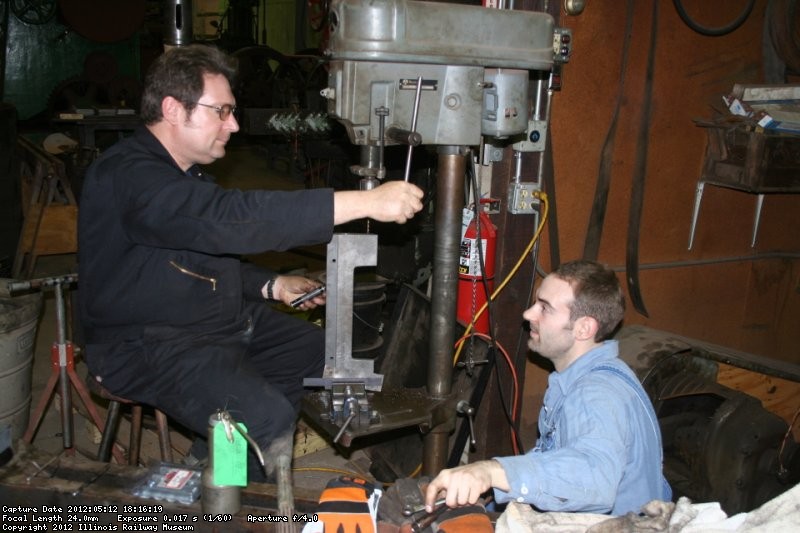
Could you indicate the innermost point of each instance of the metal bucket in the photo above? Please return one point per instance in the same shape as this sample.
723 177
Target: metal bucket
19 316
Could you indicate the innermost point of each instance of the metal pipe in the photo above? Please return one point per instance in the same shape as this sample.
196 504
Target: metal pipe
371 168
382 113
444 286
537 107
370 160
61 322
178 23
543 153
759 205
63 376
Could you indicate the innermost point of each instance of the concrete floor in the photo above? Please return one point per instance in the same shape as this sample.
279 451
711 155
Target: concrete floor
316 461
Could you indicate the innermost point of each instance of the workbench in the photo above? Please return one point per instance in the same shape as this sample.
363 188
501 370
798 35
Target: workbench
88 126
749 160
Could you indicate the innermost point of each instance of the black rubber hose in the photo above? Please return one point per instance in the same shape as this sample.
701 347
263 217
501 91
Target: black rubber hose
714 32
780 24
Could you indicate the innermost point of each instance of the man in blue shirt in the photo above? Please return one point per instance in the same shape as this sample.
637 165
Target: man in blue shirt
599 447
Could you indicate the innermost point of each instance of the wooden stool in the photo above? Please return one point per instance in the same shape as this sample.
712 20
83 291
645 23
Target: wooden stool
112 421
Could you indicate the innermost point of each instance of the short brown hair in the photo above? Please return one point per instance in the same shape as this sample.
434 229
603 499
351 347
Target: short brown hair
598 294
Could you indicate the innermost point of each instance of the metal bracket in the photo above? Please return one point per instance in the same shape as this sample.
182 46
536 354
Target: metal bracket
698 198
345 252
535 137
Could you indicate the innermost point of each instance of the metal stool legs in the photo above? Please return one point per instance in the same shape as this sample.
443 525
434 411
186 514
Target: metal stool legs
109 431
112 424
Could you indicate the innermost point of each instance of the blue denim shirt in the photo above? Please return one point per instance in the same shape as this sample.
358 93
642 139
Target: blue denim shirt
599 447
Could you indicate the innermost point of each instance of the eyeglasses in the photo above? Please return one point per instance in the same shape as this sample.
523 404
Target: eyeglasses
224 111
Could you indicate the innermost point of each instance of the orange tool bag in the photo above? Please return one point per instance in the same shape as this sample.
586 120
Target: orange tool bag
347 505
467 519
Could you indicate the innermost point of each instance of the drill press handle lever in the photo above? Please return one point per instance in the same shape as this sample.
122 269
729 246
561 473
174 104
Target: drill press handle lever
464 408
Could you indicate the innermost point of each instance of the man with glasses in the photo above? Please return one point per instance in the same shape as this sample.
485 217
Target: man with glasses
171 316
599 447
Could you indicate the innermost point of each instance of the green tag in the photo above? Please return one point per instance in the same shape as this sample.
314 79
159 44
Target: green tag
230 458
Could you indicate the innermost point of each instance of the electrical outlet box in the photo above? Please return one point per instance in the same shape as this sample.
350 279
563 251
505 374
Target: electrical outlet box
522 199
562 44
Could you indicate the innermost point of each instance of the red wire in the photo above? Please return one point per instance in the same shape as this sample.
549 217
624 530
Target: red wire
515 401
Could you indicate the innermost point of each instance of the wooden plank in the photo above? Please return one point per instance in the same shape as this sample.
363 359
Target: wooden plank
46 230
307 440
57 230
777 395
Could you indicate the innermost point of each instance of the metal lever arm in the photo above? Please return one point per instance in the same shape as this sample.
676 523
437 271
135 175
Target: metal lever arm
413 128
464 408
351 405
411 138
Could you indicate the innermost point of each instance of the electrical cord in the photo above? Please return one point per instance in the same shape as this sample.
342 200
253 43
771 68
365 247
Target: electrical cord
780 40
515 440
479 243
523 335
326 469
714 32
545 208
782 471
542 196
509 412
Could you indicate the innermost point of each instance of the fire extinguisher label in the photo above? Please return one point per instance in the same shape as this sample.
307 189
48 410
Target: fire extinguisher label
468 262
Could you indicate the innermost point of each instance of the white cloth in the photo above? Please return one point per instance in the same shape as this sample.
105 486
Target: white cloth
780 514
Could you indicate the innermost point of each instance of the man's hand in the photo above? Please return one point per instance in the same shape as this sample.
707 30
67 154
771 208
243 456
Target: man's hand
288 288
394 201
463 485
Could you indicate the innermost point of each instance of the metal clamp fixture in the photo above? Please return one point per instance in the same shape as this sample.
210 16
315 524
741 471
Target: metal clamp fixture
345 253
347 379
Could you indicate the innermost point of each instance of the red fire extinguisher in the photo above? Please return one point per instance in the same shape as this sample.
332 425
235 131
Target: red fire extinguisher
471 291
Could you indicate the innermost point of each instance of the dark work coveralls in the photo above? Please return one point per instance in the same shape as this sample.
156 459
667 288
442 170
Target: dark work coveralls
171 316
